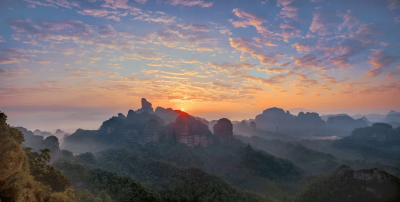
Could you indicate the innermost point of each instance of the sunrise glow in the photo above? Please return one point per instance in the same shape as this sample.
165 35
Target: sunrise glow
216 57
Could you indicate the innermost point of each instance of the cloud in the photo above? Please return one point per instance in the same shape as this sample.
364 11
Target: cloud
274 70
150 71
245 46
290 12
95 58
367 34
249 19
116 4
193 27
14 73
2 39
97 12
283 2
396 19
393 74
106 31
302 47
183 72
266 42
380 60
350 49
141 1
323 23
304 81
43 62
8 61
190 3
350 21
162 19
202 49
309 60
331 80
231 66
394 86
149 55
53 3
78 76
225 31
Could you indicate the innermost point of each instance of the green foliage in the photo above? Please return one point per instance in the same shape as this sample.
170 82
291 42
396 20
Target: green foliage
16 183
67 154
44 173
67 196
268 166
346 184
3 117
87 158
118 187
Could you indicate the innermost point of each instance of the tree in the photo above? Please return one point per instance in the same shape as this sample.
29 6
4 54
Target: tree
45 173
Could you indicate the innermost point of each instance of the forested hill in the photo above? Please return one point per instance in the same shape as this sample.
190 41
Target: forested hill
138 158
26 175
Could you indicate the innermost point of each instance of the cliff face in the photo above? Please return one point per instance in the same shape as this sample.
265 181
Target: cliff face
371 184
190 131
223 131
348 185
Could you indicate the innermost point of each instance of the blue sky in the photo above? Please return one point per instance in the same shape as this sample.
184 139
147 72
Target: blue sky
212 58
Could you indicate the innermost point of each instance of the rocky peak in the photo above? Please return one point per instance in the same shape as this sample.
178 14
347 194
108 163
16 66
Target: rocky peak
121 116
223 127
190 131
223 131
146 107
253 125
145 103
52 143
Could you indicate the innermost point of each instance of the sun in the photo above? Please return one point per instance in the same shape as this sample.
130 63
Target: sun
183 109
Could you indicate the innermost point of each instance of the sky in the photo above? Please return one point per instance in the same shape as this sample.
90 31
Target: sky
73 64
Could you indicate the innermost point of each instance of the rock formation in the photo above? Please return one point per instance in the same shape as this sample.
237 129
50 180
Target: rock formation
168 115
277 120
345 123
121 116
31 140
190 131
146 107
52 143
393 116
223 131
253 125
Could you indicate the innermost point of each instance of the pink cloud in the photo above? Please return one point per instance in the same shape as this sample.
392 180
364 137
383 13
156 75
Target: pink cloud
8 61
350 20
190 3
274 70
193 27
380 60
141 1
245 46
309 60
283 2
302 47
249 19
231 66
